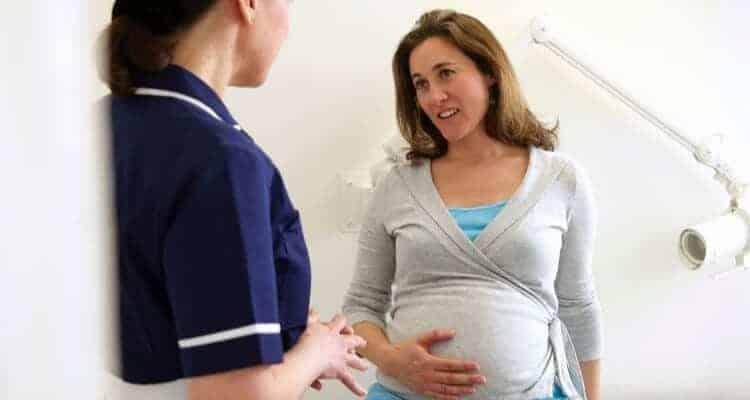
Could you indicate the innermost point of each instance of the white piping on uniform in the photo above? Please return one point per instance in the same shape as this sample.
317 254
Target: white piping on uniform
250 330
185 98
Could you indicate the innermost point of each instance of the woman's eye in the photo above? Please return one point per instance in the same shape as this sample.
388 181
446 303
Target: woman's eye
445 73
420 85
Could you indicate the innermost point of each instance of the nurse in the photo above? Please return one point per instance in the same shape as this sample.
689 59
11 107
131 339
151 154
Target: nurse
214 275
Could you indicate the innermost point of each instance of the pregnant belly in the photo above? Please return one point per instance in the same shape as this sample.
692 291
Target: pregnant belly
502 330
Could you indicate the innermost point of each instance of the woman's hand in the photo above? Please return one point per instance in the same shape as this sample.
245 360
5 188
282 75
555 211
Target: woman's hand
411 363
337 345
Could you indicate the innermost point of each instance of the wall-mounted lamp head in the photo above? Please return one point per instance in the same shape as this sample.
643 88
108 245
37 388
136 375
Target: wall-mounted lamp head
718 239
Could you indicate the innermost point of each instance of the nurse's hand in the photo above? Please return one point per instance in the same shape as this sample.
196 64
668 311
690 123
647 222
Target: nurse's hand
336 345
313 317
411 363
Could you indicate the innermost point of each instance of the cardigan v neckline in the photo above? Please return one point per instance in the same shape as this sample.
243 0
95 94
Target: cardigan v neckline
536 178
498 224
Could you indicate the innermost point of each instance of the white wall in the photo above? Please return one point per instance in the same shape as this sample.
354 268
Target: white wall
53 241
732 50
670 332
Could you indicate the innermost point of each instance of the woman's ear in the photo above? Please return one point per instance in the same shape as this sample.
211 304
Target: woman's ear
247 9
489 80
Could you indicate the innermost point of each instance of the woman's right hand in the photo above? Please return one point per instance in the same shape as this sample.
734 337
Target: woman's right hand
411 363
337 350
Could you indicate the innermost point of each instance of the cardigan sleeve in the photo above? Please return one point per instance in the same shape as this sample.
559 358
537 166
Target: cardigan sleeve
369 295
576 292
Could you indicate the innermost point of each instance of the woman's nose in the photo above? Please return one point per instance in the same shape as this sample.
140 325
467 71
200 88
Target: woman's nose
436 95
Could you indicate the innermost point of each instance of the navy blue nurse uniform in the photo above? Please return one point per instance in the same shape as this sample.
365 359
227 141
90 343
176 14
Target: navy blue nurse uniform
214 273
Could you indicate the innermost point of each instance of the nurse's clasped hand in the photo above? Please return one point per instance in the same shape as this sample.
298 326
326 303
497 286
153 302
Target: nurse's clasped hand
411 363
336 344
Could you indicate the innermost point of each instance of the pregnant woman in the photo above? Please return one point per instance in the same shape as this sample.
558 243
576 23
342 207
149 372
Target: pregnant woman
476 253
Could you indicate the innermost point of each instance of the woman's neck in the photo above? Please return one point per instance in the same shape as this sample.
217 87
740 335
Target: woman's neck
208 52
478 147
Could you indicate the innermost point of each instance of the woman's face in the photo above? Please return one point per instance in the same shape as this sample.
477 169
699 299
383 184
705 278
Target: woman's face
268 31
450 88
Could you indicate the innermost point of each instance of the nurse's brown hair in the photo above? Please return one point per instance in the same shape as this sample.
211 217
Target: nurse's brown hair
508 117
142 36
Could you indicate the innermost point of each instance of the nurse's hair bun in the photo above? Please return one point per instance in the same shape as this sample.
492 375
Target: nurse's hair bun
142 37
129 46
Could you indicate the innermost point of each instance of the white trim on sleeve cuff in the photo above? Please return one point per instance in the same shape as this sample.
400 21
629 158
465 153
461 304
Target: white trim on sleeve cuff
256 329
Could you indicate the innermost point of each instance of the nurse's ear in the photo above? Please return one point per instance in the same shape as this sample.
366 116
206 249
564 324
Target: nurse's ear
247 10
